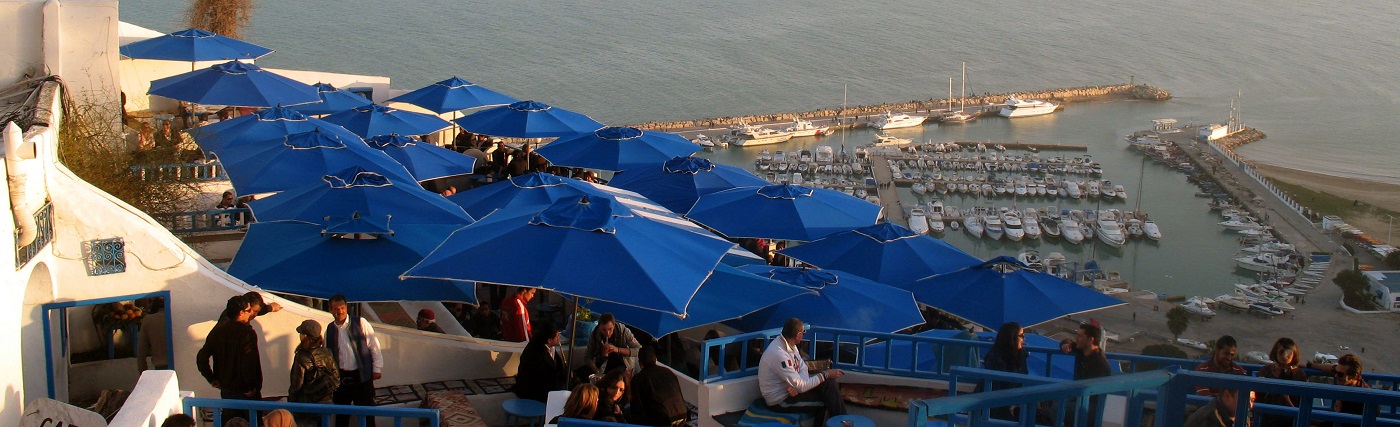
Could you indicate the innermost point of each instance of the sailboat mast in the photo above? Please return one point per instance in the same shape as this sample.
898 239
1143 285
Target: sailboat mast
962 96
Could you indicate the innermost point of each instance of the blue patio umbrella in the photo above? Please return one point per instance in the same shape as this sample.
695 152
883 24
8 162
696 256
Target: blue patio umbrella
679 182
192 45
1004 290
332 100
586 247
784 211
714 302
424 161
356 193
302 159
884 252
306 259
842 300
617 148
375 119
537 190
453 94
528 119
234 83
263 126
901 352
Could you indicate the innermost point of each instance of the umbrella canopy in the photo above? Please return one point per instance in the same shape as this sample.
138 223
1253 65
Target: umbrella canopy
234 83
528 119
269 125
355 192
1004 290
617 148
587 247
842 300
332 100
901 353
679 182
375 119
193 45
537 190
783 211
884 252
423 161
303 259
714 302
302 159
452 95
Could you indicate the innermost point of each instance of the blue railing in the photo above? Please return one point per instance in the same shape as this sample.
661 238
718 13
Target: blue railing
210 170
575 422
43 221
205 221
325 411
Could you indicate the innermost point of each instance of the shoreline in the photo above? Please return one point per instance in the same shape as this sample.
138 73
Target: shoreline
1378 194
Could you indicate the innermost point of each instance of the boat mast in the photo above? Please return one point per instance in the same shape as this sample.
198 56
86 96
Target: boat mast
950 96
962 96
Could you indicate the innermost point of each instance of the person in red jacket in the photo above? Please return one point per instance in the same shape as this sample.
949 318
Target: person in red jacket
517 320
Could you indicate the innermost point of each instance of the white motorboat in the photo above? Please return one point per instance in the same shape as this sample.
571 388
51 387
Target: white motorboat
1030 221
1233 301
1069 228
991 224
1196 307
1265 308
1261 263
1072 189
803 128
826 154
887 140
1270 247
746 135
703 141
1192 343
919 188
1011 222
1108 230
1240 223
1017 107
918 221
1050 225
1031 258
973 224
891 120
1134 227
935 216
1149 229
1256 356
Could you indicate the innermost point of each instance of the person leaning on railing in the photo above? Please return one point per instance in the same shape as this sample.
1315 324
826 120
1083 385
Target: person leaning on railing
1346 372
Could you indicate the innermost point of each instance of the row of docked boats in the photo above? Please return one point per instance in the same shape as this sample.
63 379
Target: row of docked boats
1014 107
1284 282
1111 226
926 156
1020 186
745 135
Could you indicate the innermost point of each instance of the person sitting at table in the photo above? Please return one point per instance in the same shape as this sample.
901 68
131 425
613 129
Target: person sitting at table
656 394
613 398
582 404
541 367
787 386
611 346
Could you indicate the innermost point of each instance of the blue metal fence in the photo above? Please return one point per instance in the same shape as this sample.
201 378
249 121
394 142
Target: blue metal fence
43 221
206 221
210 170
324 411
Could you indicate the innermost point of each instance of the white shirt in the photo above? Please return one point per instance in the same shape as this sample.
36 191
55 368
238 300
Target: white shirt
780 367
347 348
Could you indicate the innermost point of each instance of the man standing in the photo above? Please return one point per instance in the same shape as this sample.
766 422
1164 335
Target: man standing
233 347
351 339
1222 361
1089 361
517 321
786 385
656 394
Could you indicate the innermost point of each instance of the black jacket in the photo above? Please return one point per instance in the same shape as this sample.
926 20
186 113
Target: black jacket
237 365
539 373
656 397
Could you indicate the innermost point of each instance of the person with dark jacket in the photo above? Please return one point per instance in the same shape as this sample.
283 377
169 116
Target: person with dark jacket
233 347
1008 354
612 397
312 359
541 367
656 394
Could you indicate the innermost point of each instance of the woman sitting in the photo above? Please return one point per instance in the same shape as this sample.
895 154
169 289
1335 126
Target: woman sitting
582 404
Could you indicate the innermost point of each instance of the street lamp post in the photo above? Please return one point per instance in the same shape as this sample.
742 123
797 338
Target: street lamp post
1390 229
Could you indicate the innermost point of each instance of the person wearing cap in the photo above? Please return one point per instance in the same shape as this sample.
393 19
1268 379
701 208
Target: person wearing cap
311 360
427 321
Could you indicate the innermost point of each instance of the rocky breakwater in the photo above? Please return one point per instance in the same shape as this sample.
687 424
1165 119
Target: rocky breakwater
1061 96
1244 136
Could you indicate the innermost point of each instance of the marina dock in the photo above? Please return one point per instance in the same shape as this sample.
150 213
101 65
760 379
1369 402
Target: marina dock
889 197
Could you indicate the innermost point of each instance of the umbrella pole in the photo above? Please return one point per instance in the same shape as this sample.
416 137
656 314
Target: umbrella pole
573 340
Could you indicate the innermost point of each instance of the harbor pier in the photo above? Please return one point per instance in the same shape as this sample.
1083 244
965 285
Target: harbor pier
885 188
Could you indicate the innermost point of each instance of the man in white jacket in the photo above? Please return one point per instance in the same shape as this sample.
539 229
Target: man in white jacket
787 386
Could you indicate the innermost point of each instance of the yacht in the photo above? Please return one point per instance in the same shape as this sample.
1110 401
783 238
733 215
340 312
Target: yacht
1050 224
887 140
935 217
1011 222
1017 107
972 222
991 223
1233 301
918 221
803 128
703 141
1149 229
1069 228
746 135
1265 308
1262 263
1031 258
1107 228
826 154
1030 221
1197 307
891 120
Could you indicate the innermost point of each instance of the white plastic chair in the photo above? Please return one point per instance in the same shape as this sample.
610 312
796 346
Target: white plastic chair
555 405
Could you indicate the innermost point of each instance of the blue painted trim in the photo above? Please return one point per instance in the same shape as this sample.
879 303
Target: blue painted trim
63 329
326 410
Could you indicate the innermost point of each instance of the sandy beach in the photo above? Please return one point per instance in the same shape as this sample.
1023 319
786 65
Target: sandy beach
1383 195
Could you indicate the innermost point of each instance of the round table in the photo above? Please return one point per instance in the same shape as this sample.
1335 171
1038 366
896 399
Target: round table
856 421
524 410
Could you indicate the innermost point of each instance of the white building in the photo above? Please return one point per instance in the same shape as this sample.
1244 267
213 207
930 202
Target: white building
1386 286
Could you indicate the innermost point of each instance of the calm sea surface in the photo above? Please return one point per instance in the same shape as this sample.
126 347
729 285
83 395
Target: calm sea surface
1319 79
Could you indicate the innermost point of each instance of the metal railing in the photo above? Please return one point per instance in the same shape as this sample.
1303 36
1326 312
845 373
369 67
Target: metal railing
210 170
325 411
43 221
205 221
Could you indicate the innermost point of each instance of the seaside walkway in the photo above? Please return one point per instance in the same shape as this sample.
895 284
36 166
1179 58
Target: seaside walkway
885 188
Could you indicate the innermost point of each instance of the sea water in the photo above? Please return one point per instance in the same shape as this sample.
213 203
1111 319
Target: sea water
1318 80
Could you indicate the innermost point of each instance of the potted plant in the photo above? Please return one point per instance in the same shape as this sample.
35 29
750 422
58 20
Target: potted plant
584 323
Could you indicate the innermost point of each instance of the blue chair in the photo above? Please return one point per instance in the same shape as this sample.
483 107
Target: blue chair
529 412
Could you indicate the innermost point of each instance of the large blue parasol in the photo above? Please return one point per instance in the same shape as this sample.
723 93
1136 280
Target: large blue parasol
536 190
528 119
1004 290
305 259
302 159
714 302
424 161
375 119
352 192
263 126
784 211
235 83
841 300
884 252
332 100
587 247
453 94
679 182
192 45
617 148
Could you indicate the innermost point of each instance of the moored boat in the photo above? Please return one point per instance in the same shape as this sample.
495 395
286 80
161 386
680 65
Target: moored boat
1017 107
